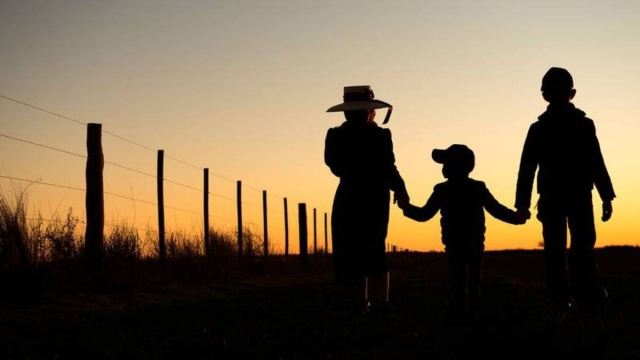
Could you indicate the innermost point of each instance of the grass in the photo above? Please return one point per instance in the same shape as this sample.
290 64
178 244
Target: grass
196 308
15 249
39 256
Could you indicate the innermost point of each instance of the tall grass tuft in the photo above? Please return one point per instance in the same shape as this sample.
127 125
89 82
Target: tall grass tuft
21 281
16 251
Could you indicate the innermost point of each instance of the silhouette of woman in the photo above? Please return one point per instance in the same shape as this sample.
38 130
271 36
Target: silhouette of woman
360 153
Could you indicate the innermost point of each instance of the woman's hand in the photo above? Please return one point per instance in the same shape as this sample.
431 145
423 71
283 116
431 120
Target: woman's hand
401 197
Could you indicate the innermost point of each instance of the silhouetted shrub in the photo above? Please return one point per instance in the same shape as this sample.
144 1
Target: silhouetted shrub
56 239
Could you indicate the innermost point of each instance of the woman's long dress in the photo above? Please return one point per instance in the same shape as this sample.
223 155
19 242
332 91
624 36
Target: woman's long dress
362 156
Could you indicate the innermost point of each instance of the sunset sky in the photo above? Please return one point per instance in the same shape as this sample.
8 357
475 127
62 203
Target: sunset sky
242 88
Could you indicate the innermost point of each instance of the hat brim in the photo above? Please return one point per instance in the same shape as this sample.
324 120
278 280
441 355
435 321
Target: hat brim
439 156
359 105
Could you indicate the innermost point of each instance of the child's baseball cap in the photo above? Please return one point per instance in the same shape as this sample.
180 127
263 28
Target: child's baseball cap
557 78
457 155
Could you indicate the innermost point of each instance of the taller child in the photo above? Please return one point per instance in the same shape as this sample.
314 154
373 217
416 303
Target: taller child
563 147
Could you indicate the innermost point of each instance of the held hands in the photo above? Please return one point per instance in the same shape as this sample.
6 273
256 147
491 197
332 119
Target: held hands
401 198
522 215
607 210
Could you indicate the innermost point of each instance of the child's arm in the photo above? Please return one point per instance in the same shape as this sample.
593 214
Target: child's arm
424 213
501 212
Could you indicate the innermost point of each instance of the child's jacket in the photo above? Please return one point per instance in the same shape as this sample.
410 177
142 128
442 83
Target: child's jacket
461 203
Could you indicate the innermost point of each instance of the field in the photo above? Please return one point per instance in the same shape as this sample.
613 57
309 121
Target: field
284 311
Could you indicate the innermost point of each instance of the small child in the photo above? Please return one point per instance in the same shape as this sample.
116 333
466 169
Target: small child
461 201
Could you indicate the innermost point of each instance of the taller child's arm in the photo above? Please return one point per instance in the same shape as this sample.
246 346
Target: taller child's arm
602 179
526 171
426 212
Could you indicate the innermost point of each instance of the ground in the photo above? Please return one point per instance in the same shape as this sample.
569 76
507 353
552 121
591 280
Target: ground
286 311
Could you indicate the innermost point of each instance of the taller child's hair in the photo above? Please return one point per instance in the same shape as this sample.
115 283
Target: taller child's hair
557 85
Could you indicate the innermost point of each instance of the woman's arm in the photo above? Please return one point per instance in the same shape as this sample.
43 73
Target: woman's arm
332 152
395 180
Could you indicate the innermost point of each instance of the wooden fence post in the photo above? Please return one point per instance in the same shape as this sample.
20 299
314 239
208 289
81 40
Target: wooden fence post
239 199
286 229
94 200
161 234
207 245
264 220
326 236
315 235
302 226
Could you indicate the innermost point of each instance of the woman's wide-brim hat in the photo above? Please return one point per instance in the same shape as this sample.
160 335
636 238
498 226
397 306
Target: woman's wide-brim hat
361 97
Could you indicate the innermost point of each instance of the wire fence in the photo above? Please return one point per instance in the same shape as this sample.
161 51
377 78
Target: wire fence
220 216
183 208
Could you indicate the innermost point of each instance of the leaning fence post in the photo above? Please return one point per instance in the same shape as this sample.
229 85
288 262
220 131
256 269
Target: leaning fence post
94 201
207 246
239 200
160 176
302 226
286 229
264 220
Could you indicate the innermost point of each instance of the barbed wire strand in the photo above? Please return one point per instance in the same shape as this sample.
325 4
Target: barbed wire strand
222 177
41 109
223 197
41 182
182 162
183 185
275 211
129 141
130 169
130 198
43 146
